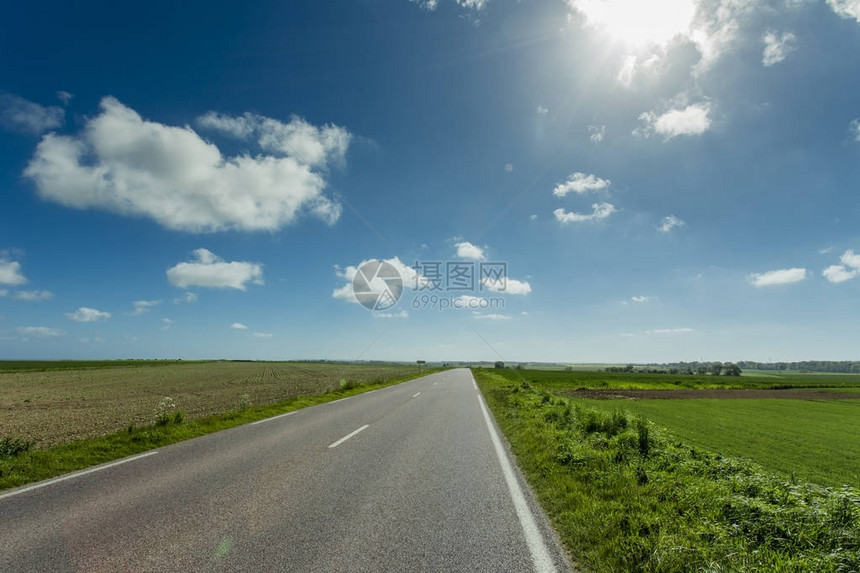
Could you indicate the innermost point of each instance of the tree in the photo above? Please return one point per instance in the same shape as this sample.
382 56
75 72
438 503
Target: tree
716 368
732 369
702 370
500 364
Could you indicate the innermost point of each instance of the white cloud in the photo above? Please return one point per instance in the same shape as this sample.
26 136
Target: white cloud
401 314
238 326
298 139
849 268
84 314
580 183
10 273
167 320
263 334
125 164
209 270
64 97
473 4
838 273
508 286
39 331
669 331
18 114
692 120
777 277
715 29
596 133
854 127
669 223
776 47
492 317
466 250
143 306
3 292
643 298
187 297
542 110
33 295
653 31
640 65
846 8
600 212
533 217
426 4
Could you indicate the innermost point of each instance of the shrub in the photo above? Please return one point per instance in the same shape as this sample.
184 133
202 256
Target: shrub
348 384
10 447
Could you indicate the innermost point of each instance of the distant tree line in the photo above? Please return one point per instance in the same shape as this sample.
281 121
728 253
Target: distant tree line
687 368
843 366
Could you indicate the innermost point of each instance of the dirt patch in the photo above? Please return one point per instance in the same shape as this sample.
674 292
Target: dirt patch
787 394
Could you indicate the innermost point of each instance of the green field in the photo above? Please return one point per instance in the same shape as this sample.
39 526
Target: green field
812 439
635 380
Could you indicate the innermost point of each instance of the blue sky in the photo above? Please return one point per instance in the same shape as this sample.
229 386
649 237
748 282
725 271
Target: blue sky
665 181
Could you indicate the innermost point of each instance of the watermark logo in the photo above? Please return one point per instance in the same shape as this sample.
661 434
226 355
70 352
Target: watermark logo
437 285
377 285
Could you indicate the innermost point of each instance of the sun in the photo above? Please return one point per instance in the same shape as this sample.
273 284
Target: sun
638 22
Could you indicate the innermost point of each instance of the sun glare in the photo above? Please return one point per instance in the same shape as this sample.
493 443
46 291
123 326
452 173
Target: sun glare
639 22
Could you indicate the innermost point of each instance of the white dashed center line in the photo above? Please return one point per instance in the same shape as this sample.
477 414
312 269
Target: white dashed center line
348 436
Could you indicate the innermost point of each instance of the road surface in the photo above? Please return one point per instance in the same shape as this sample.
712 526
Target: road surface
411 477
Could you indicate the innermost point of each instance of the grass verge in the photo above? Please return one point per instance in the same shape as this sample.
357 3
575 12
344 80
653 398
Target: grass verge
20 464
625 495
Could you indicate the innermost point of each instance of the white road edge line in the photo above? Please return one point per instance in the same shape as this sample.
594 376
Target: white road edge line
348 436
272 418
474 384
75 475
416 394
541 559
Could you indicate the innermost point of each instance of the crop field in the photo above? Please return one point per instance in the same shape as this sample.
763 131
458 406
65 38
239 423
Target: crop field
801 425
53 403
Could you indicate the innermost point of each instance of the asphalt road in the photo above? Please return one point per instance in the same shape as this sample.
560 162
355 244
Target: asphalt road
412 477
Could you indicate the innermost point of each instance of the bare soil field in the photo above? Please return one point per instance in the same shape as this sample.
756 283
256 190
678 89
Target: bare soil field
750 394
52 407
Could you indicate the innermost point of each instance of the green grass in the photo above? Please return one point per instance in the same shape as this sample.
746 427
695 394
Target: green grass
22 465
639 381
625 495
817 441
